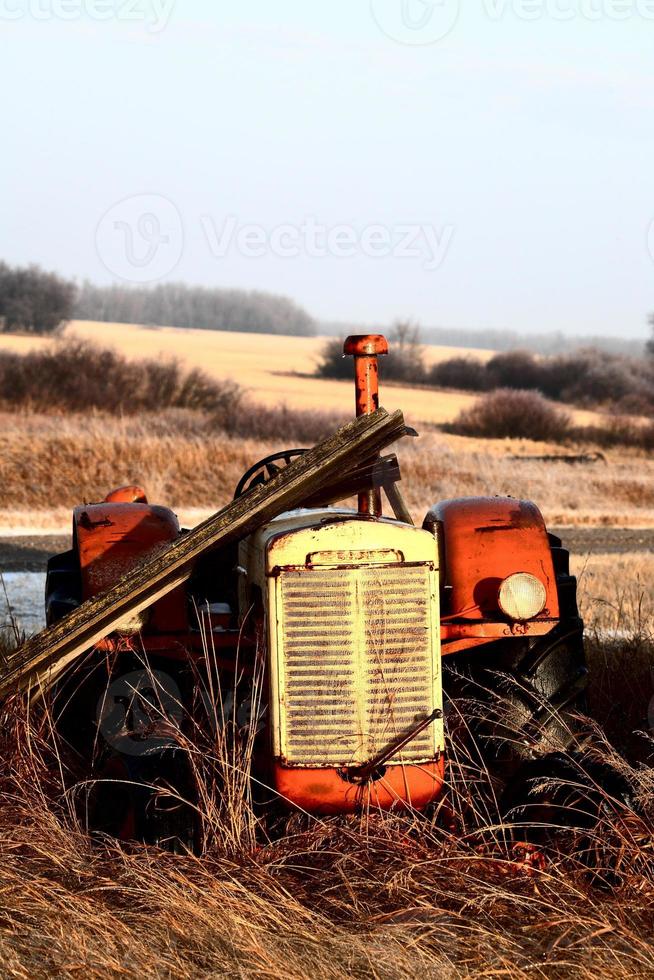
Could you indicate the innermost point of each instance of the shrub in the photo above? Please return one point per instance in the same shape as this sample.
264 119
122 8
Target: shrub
76 377
515 369
34 301
508 413
466 373
617 431
332 363
593 377
587 377
79 377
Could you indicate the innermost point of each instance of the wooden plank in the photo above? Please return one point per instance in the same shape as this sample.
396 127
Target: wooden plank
64 641
377 472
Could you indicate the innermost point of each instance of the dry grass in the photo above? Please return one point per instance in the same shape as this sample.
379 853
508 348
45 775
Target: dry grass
387 896
50 464
616 600
390 899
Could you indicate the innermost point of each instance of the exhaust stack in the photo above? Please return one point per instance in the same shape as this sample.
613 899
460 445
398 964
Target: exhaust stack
365 349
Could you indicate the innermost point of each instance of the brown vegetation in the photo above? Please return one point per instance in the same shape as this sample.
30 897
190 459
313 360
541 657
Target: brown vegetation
511 413
77 377
585 377
389 896
49 462
404 363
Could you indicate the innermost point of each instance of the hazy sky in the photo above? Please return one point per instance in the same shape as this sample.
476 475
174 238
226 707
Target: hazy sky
482 164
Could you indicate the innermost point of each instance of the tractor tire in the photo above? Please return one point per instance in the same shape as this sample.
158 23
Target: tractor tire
519 698
137 789
145 800
515 710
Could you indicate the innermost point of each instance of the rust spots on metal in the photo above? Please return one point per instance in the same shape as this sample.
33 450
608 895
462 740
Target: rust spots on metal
365 349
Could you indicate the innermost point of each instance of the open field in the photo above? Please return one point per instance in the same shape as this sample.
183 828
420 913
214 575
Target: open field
274 369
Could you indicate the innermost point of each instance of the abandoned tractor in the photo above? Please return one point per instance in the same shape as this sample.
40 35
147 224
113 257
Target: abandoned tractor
353 631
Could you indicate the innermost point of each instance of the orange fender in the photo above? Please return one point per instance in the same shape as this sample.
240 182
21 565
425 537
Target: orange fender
112 537
482 540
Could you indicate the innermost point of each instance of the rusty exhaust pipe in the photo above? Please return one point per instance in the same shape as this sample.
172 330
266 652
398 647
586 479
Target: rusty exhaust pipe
365 349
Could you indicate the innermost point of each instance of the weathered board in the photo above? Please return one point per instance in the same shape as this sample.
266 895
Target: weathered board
58 645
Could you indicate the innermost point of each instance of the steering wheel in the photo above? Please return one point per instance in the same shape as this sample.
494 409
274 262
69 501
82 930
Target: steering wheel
265 470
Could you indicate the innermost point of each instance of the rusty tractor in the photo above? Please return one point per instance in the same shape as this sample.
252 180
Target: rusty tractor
361 635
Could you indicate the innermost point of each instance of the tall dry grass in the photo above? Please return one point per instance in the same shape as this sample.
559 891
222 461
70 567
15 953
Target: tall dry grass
184 461
450 893
616 600
377 895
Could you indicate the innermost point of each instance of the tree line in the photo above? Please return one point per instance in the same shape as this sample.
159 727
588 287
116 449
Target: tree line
181 305
35 301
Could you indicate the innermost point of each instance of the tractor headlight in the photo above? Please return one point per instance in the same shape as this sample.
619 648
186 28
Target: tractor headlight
522 596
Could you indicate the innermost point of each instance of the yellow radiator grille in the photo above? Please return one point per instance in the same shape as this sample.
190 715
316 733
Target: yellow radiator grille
357 663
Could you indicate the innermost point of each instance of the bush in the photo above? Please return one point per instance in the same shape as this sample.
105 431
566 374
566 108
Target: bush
332 363
79 377
515 369
466 373
587 377
75 377
512 414
34 301
593 377
618 431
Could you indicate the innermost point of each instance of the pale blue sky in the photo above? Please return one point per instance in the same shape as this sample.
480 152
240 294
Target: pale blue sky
525 147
